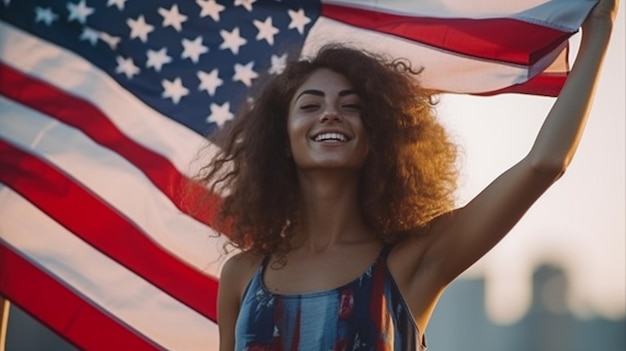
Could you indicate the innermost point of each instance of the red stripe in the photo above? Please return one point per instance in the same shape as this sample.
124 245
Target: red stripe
295 342
378 303
91 219
545 84
482 38
86 117
59 308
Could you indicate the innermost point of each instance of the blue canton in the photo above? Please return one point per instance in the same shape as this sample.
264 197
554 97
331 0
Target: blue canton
192 61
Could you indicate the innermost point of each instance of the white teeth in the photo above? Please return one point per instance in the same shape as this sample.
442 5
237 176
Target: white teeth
331 137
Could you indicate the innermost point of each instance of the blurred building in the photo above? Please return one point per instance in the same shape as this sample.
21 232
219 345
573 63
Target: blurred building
459 323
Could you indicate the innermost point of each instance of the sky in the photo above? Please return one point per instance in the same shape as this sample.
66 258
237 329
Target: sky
580 222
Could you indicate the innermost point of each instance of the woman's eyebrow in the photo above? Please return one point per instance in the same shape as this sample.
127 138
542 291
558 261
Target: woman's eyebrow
311 92
321 93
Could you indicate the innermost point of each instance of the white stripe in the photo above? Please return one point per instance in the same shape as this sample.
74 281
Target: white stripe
72 73
117 290
115 180
442 70
562 14
565 15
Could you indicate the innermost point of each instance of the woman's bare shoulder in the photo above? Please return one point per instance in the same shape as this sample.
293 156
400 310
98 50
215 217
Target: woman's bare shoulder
240 267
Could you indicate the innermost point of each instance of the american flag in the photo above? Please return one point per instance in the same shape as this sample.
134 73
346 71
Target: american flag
105 104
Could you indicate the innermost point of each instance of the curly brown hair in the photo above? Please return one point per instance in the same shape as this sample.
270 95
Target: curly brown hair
408 178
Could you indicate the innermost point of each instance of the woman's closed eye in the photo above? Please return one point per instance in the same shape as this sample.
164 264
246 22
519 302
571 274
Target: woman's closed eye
309 107
354 106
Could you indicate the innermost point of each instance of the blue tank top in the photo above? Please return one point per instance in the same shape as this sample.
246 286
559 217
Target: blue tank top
368 313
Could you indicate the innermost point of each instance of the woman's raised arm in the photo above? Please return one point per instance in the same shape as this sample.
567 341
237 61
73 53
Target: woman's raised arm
461 237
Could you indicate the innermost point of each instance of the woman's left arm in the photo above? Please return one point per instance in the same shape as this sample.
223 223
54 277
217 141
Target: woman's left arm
461 237
561 132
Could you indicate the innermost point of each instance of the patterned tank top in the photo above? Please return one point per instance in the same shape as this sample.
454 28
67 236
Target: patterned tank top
368 313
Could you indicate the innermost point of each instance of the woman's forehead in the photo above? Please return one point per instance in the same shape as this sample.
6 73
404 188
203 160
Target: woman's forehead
325 78
324 82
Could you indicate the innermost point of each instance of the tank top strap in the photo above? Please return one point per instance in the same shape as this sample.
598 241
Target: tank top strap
384 252
264 263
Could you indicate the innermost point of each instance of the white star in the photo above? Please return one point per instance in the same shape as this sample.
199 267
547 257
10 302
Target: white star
220 114
209 81
278 64
232 40
193 49
245 3
118 3
139 28
6 2
91 35
45 15
79 12
126 66
266 30
173 89
210 8
298 20
244 74
172 18
110 40
156 59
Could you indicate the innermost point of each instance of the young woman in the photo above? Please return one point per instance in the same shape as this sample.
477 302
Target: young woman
340 192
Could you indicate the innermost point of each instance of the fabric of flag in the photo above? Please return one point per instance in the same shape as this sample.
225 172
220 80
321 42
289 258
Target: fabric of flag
104 106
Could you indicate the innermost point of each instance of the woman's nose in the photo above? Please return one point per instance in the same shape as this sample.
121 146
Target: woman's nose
330 114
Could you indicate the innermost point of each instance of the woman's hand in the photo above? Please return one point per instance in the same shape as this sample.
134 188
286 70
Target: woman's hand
605 9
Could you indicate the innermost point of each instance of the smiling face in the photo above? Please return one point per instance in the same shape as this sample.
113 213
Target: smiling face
324 124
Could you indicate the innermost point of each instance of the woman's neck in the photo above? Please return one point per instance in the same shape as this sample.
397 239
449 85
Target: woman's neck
330 214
